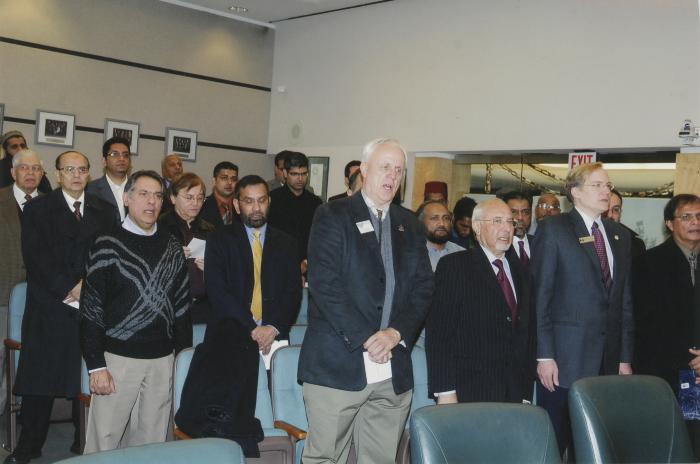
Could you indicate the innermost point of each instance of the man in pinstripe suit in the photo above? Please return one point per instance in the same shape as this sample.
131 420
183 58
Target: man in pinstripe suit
479 331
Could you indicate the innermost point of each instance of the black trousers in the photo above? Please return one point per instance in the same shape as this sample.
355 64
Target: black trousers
556 404
35 417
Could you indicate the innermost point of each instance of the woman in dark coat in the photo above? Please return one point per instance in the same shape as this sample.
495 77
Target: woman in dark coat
187 196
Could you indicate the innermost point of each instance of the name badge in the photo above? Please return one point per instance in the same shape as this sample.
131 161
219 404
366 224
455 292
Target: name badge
364 227
588 239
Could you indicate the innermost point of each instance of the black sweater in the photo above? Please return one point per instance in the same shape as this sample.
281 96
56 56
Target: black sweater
135 298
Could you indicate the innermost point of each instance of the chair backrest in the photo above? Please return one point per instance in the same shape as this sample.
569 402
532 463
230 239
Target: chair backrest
18 299
303 317
198 331
420 380
632 418
210 450
84 378
287 396
263 402
296 334
182 366
482 432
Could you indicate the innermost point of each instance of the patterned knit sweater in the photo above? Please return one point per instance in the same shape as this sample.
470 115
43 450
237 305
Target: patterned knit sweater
135 298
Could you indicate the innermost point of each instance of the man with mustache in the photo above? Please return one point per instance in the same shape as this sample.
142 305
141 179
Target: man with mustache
479 328
665 278
437 221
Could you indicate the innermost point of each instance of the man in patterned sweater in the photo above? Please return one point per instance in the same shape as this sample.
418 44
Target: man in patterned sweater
135 315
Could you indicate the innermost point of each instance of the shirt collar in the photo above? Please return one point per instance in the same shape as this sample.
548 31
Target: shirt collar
251 230
517 239
132 227
373 208
490 256
589 220
686 252
19 195
113 185
70 200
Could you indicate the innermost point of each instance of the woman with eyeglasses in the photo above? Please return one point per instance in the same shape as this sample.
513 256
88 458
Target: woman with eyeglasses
187 195
13 142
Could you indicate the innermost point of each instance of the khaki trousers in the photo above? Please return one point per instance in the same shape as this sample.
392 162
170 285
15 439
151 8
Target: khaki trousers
374 418
138 412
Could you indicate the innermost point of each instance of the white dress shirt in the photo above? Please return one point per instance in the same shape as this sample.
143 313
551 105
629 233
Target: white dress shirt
516 245
70 200
118 192
19 196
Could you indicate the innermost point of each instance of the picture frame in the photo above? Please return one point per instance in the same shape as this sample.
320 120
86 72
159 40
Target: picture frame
54 128
318 175
126 129
2 117
182 142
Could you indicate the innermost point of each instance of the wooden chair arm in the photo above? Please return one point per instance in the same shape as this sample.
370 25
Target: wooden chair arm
292 431
85 399
13 344
181 435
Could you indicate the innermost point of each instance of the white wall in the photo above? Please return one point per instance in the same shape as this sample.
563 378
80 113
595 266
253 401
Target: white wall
476 75
151 33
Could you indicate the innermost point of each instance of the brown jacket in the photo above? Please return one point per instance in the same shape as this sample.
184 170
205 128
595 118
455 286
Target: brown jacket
12 270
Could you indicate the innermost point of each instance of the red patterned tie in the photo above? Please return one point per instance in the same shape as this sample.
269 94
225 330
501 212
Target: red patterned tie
503 281
524 258
602 256
76 212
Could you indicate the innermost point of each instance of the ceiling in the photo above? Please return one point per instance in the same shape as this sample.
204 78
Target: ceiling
270 11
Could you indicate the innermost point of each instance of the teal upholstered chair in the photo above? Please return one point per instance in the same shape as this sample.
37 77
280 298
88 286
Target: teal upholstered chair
420 399
13 344
622 419
198 331
296 334
209 450
482 432
287 398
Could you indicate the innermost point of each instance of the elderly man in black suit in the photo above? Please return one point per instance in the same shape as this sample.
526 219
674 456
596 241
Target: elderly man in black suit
582 291
479 331
252 269
370 285
665 279
57 232
116 158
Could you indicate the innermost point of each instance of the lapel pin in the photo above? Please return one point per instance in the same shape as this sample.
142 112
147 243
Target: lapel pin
617 237
401 229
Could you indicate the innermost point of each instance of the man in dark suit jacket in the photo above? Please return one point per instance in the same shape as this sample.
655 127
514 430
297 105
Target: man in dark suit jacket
665 279
479 331
351 168
520 205
229 273
57 232
370 285
582 291
218 209
116 158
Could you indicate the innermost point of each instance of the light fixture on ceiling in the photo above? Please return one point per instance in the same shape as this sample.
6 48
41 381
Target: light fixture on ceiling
238 9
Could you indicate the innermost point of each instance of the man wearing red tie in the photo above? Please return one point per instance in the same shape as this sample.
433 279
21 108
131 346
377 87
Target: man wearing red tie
520 205
580 267
479 332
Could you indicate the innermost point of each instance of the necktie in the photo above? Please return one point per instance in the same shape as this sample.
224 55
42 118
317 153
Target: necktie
693 260
602 255
379 216
524 258
256 304
76 211
227 214
503 281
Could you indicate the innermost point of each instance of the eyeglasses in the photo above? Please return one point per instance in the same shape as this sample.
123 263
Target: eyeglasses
688 217
25 167
298 174
600 185
146 195
545 206
195 198
14 146
117 154
81 170
497 221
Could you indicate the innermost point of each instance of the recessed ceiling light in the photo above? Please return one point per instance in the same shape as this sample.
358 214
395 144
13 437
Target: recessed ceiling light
238 9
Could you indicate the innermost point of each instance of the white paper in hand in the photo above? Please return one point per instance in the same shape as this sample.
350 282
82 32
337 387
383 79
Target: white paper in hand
376 372
275 345
197 248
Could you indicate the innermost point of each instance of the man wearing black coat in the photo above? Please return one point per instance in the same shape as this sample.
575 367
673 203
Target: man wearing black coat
479 332
57 232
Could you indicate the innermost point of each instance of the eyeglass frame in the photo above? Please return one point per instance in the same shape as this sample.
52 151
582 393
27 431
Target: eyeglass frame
497 221
688 217
26 167
69 170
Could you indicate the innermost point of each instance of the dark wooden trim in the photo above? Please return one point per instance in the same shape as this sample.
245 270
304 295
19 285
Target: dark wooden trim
331 11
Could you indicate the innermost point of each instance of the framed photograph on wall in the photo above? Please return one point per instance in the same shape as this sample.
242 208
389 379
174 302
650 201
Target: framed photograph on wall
181 142
54 128
318 175
2 117
125 129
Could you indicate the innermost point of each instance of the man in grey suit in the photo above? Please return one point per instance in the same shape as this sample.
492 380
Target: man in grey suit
116 158
370 285
583 303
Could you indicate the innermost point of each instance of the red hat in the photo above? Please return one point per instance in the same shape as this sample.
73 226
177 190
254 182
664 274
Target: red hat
435 186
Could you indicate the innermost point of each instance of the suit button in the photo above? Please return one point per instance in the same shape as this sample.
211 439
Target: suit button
379 308
509 319
346 340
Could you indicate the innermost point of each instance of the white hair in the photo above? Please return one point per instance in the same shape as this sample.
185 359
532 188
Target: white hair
480 208
19 157
372 146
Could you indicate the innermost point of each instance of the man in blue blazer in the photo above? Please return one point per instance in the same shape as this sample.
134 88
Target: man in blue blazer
370 285
583 304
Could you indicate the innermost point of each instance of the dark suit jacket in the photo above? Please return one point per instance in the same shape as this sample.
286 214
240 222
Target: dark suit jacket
664 312
12 270
228 275
101 189
579 324
339 196
55 247
346 294
210 212
471 343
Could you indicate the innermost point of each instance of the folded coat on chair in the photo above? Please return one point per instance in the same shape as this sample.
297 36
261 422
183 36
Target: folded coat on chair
218 399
